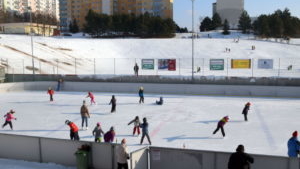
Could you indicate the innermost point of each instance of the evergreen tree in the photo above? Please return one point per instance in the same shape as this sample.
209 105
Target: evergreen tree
276 26
245 22
226 28
206 24
73 27
216 21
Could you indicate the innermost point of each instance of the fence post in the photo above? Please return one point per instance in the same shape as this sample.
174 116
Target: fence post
252 65
227 66
40 150
75 67
94 66
114 66
279 67
179 66
203 66
23 67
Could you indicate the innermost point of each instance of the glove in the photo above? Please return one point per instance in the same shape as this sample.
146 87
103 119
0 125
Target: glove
15 118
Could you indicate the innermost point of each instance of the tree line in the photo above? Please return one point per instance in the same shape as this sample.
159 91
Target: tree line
119 25
280 24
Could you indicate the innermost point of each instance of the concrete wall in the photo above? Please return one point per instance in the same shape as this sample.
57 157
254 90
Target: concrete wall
57 151
258 81
189 89
194 159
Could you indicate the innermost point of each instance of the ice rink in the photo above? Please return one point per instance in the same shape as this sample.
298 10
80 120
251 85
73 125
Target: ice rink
182 121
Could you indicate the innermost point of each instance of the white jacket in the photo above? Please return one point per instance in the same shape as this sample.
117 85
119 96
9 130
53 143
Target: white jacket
122 154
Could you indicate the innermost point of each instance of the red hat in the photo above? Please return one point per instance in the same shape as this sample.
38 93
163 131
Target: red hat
295 134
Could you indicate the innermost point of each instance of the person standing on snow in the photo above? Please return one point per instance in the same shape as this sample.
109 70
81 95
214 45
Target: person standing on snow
113 103
90 95
136 122
145 131
136 69
245 110
110 135
84 111
122 155
9 116
73 130
293 145
97 133
141 94
51 93
240 159
221 124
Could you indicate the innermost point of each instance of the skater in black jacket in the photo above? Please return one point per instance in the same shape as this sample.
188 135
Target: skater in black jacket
245 110
113 103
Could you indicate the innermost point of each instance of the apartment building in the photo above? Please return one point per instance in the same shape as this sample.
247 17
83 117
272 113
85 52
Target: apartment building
77 9
230 10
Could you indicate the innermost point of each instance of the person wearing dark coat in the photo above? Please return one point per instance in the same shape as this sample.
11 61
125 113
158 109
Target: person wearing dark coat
245 110
113 103
293 145
110 135
145 131
240 159
221 124
136 69
160 102
141 94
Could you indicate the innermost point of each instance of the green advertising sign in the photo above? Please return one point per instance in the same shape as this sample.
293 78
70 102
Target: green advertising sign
216 64
148 64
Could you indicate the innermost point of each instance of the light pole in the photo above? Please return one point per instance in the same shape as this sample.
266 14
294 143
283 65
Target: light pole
33 72
192 40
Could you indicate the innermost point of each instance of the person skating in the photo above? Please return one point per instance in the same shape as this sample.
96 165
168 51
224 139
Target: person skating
110 135
73 130
145 131
293 145
240 159
113 103
51 93
92 97
136 122
136 69
245 110
84 111
9 117
122 155
221 124
97 132
141 94
160 101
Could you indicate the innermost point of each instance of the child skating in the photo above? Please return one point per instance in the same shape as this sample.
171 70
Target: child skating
110 135
84 111
136 123
73 130
245 110
221 124
92 97
51 93
141 94
9 117
97 132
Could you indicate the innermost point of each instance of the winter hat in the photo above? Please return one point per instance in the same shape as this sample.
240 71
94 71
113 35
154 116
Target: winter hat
12 111
240 148
141 88
295 134
98 124
248 104
123 141
67 121
112 128
144 120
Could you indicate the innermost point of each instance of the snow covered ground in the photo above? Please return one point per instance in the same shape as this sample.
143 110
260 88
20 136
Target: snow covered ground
101 55
182 120
19 164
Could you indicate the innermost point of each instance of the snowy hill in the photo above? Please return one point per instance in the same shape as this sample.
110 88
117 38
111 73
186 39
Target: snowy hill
46 49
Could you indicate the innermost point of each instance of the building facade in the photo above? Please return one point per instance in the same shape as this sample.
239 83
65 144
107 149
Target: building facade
230 10
78 9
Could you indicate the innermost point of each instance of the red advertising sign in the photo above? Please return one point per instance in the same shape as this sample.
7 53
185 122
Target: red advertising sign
172 64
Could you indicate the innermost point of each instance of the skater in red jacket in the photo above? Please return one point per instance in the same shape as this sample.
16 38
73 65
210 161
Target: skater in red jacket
51 93
73 130
90 95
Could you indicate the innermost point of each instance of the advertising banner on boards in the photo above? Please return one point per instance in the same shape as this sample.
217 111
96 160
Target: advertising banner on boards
241 63
265 64
216 64
148 64
167 64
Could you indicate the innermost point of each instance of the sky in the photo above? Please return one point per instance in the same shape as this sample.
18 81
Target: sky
182 9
